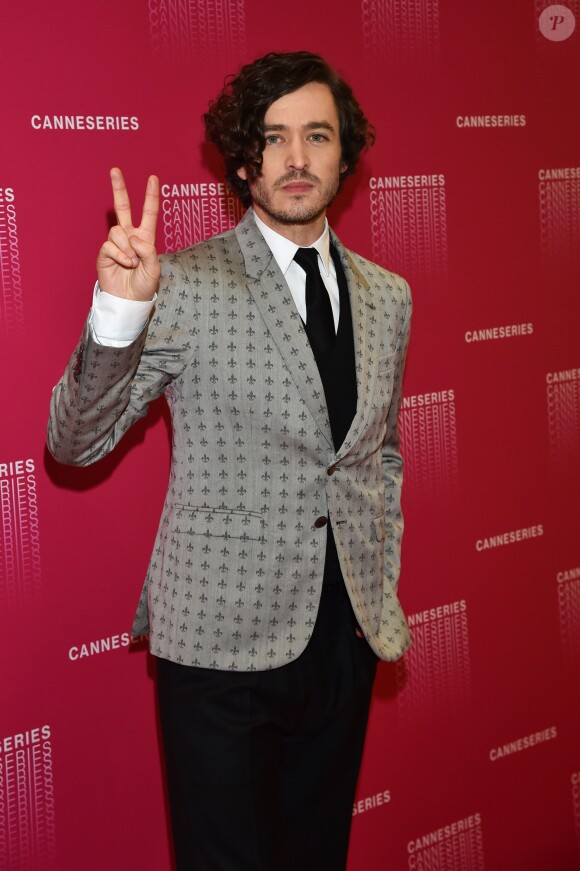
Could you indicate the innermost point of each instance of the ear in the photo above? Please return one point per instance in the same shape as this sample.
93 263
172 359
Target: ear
242 172
343 167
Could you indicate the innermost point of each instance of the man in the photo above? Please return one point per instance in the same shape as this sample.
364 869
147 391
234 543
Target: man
271 590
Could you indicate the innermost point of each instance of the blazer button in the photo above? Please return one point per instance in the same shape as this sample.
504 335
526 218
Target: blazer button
320 522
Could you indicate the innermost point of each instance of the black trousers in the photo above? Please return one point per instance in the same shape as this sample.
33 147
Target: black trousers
262 766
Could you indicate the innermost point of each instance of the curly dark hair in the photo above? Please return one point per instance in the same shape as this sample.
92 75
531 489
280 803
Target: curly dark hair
234 121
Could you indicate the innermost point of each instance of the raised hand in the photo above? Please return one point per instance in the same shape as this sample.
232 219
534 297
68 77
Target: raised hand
127 265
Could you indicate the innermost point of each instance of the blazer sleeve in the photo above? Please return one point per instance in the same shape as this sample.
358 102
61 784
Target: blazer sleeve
391 455
105 390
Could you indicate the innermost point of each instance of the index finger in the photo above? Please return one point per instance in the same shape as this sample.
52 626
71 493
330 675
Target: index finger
121 199
150 206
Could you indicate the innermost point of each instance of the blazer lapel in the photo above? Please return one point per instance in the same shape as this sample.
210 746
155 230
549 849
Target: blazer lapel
273 299
365 343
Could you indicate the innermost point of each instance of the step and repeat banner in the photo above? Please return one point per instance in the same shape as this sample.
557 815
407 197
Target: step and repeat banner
472 192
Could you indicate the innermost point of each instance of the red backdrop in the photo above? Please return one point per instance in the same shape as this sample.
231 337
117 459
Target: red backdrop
473 193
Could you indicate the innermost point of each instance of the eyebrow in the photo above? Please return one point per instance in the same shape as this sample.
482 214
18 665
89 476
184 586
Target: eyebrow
311 125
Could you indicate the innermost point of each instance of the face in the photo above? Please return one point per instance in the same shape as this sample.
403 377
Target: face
301 161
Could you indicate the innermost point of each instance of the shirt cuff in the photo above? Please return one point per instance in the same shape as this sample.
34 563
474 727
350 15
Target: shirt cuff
117 322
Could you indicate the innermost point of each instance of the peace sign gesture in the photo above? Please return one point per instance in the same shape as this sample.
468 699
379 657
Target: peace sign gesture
127 265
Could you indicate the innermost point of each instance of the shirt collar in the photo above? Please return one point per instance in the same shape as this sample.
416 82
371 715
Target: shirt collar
283 250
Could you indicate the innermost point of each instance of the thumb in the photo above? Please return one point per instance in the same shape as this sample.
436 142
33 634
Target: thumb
145 251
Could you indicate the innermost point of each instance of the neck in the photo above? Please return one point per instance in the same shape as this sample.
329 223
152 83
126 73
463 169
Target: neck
302 234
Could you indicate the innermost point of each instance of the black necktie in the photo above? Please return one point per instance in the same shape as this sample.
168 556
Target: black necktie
319 319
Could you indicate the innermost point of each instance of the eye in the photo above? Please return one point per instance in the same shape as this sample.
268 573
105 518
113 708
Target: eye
272 139
318 137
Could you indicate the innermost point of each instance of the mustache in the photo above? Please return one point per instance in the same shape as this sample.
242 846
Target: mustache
296 176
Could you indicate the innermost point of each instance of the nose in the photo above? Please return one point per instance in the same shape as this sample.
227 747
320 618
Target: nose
297 156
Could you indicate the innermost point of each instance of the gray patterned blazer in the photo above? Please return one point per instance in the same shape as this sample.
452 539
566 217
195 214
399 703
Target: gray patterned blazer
235 575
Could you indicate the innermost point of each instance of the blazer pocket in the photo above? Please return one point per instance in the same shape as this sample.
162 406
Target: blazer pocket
220 522
379 527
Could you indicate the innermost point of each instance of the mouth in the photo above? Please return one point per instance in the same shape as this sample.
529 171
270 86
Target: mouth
297 187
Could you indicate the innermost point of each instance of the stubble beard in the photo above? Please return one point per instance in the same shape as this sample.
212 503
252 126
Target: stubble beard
299 212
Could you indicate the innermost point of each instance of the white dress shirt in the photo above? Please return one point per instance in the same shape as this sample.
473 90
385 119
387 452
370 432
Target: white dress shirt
117 322
284 250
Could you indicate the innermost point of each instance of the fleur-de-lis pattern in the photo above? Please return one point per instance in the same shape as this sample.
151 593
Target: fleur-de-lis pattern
236 571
